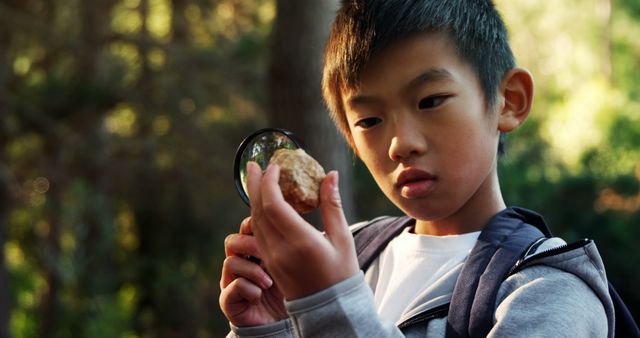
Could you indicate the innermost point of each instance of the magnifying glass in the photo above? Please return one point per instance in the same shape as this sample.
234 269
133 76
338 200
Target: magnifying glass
259 147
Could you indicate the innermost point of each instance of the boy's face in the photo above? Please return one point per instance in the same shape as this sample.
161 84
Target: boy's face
420 124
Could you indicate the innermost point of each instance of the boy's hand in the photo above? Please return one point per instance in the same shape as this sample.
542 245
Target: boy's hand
248 296
301 259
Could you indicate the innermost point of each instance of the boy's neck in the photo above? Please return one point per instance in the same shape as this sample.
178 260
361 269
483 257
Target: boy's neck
472 217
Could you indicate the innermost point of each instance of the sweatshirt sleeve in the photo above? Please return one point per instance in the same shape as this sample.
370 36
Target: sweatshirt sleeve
280 329
542 301
345 309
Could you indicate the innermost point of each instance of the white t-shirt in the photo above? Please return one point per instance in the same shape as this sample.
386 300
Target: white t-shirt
412 263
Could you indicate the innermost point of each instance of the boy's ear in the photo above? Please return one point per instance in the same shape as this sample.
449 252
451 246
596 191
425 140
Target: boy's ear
517 91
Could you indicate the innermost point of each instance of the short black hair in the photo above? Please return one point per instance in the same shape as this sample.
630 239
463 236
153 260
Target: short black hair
363 28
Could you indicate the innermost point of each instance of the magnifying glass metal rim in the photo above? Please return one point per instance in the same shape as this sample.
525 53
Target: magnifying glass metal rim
241 148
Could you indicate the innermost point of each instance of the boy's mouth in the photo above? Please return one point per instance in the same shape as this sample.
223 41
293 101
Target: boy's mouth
414 183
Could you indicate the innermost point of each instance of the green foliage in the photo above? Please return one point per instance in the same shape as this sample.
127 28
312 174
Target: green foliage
577 160
118 135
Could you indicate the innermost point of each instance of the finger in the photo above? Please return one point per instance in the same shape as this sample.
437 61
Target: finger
241 245
283 218
245 226
239 291
260 226
335 223
254 177
235 267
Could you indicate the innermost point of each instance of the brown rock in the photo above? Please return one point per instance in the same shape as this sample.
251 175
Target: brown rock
300 178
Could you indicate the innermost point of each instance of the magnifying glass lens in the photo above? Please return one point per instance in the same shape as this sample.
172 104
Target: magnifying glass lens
259 147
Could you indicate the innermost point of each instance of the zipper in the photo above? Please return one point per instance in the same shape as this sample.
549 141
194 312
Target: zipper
436 312
547 253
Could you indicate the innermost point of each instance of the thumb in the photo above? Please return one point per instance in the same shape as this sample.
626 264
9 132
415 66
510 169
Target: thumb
335 223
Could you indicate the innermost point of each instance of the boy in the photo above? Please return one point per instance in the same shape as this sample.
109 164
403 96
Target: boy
422 91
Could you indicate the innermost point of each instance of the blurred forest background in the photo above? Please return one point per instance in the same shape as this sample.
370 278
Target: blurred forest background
119 120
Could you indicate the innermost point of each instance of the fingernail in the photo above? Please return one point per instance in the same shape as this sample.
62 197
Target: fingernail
267 282
336 179
251 164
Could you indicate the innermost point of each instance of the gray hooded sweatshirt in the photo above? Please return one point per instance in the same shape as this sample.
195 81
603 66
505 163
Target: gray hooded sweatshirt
562 295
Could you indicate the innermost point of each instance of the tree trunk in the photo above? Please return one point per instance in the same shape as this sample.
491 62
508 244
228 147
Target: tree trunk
300 31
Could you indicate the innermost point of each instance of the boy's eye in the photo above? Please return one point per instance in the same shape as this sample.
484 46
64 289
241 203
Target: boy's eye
368 122
431 102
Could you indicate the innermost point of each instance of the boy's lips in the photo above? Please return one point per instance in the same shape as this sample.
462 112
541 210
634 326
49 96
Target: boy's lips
414 183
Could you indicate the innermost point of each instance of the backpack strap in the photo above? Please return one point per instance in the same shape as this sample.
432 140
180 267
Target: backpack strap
500 245
625 325
372 238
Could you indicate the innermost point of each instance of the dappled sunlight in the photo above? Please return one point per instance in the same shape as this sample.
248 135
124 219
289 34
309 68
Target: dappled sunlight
266 11
164 160
225 12
211 115
552 38
157 59
68 241
13 255
161 125
34 191
580 122
128 53
121 121
198 23
21 65
131 3
229 19
127 297
34 288
20 147
159 20
562 47
126 19
109 106
126 235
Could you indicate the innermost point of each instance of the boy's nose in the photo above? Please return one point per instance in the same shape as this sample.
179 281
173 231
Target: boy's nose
407 142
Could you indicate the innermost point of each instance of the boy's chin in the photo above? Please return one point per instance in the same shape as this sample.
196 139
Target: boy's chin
420 211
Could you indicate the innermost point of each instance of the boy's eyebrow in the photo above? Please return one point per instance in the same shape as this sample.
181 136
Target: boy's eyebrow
358 100
429 75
